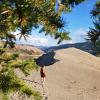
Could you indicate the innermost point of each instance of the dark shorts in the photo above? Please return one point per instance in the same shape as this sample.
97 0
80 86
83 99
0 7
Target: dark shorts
43 75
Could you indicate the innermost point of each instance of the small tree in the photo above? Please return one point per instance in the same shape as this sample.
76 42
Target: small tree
9 81
94 33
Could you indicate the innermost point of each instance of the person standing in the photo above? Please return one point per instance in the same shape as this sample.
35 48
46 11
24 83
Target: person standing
42 74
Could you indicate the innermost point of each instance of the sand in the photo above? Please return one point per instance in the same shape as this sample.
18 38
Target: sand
75 77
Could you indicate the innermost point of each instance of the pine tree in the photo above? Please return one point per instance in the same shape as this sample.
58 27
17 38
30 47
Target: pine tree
26 15
94 33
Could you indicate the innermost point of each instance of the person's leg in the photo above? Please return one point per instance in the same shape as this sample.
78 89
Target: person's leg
42 79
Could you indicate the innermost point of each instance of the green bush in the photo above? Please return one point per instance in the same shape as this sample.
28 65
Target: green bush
9 81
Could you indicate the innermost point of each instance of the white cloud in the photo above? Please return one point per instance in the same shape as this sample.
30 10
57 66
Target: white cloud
68 42
79 35
36 40
81 31
31 40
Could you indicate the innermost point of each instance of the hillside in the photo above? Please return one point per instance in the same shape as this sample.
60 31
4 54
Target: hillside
24 49
75 77
85 46
31 50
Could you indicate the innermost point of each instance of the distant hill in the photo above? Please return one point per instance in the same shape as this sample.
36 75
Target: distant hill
25 51
31 50
85 46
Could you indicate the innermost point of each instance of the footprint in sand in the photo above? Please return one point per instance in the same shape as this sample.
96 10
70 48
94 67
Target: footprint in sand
73 82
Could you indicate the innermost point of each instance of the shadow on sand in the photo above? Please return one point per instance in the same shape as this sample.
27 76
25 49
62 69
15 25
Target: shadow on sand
31 81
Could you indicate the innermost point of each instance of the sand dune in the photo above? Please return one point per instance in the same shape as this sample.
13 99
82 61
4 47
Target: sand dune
75 77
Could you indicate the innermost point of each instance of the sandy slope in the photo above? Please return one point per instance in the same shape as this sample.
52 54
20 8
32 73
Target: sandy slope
30 48
75 77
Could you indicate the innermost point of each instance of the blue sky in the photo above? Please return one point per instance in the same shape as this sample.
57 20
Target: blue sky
79 21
